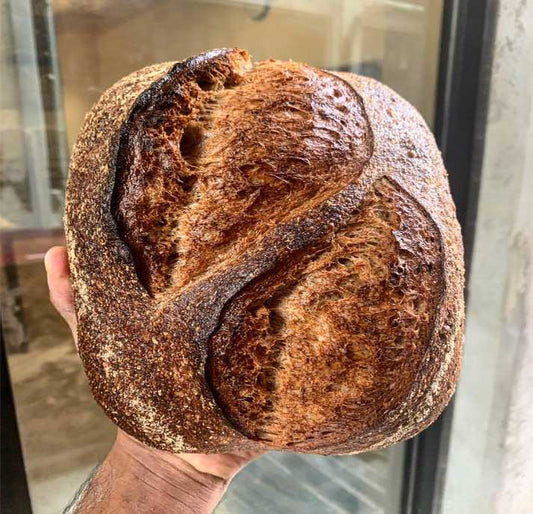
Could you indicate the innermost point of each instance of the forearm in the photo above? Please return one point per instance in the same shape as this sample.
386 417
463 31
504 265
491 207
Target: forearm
134 481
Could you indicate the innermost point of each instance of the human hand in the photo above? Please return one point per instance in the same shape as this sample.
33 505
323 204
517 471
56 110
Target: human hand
135 477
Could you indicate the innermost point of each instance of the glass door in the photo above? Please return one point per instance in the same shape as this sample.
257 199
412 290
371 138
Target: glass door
57 59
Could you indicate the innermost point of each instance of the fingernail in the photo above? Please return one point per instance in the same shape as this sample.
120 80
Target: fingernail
46 260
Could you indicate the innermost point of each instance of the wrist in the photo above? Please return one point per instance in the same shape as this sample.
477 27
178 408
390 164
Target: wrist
141 479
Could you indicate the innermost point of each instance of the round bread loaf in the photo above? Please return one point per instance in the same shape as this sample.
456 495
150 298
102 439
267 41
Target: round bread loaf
263 256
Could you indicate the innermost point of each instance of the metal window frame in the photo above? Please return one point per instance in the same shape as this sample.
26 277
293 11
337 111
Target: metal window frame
467 40
461 105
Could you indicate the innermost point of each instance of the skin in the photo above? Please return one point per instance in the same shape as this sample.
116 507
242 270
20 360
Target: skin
134 477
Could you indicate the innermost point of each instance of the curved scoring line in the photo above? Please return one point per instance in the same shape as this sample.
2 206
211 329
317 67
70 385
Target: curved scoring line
174 74
177 75
312 205
393 414
201 303
202 307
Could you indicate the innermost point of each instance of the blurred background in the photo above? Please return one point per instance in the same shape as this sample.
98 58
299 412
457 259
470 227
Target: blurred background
466 65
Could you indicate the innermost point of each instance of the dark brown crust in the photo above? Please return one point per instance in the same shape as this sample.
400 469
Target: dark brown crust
145 355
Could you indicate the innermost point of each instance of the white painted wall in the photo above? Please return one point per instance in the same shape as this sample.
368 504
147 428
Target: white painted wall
491 453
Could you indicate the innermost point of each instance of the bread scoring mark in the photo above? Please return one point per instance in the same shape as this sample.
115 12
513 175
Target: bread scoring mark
155 167
285 137
210 170
359 313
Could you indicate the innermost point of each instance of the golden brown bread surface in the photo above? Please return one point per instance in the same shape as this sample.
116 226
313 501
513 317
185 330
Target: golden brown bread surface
263 255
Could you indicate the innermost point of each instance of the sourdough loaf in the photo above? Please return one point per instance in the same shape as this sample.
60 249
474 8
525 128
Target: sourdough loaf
263 256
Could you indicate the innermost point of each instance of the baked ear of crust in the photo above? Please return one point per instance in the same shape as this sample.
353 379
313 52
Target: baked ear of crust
263 256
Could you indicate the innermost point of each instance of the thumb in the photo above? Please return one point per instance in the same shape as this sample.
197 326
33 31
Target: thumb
58 276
